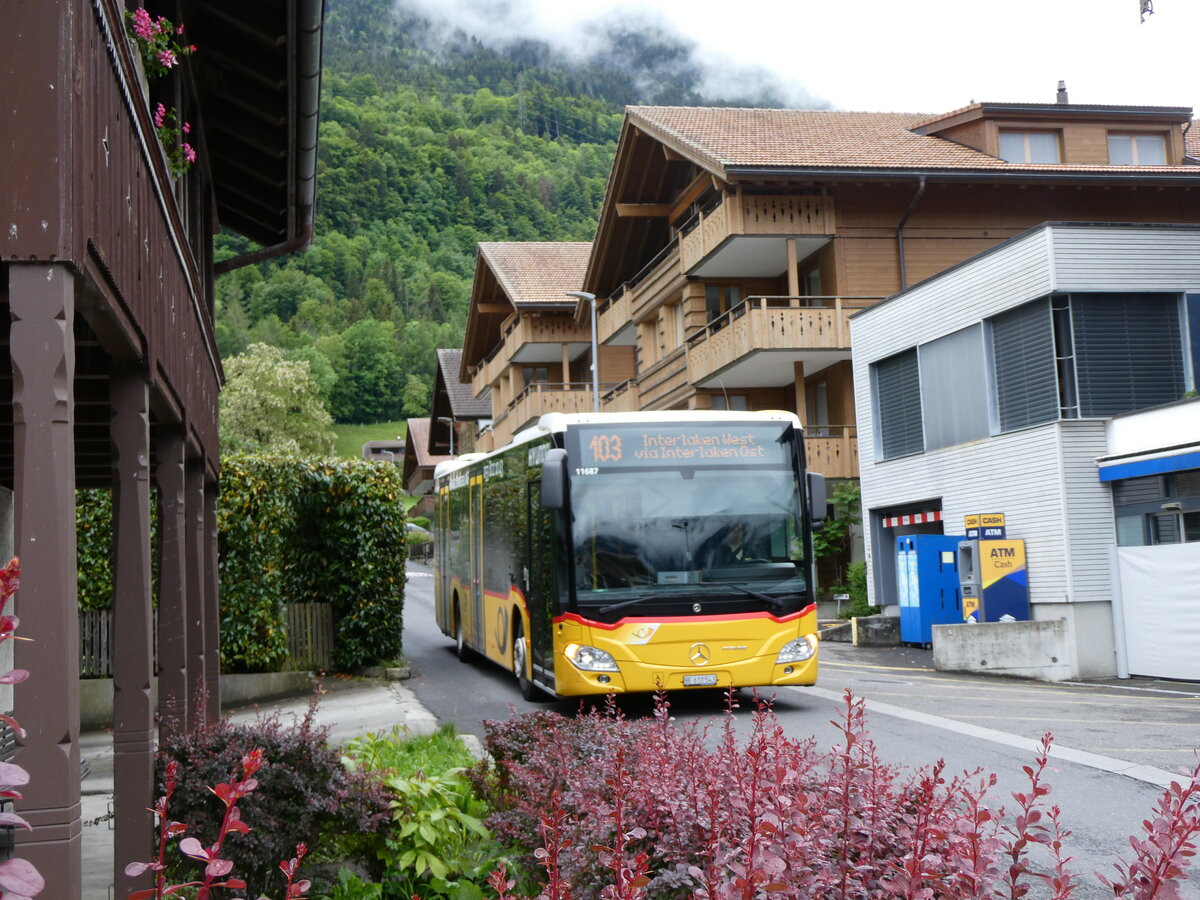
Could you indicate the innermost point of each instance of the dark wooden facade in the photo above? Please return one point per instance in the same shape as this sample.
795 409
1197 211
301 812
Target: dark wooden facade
106 277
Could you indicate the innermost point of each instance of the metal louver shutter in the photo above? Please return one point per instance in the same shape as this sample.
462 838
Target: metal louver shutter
1023 350
1127 351
898 388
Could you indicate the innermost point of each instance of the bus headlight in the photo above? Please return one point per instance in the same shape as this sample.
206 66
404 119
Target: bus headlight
796 651
591 659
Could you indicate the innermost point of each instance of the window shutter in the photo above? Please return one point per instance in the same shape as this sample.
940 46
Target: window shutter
1023 349
898 390
1127 351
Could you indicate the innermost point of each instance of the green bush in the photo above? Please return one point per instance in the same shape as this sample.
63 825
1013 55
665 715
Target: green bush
350 551
290 531
856 587
437 846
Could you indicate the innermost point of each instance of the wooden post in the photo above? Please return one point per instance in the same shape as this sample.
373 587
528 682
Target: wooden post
194 591
793 272
133 659
801 394
212 604
173 699
42 350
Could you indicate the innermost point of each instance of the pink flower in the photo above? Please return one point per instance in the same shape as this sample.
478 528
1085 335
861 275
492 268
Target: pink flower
160 115
187 128
167 58
188 153
142 26
179 30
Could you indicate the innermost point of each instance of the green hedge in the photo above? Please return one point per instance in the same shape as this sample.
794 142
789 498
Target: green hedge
291 531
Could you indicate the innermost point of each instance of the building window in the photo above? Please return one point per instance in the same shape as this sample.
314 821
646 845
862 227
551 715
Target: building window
720 299
1023 354
1089 355
1030 147
738 402
1128 352
1137 150
955 405
1158 509
897 385
540 374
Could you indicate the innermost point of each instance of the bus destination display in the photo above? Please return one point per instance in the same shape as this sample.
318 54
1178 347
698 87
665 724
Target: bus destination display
671 445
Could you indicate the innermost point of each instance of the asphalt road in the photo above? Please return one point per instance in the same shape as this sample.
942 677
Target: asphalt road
1115 743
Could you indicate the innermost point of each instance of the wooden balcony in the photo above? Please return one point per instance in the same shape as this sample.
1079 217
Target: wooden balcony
755 214
613 315
792 325
537 400
625 397
522 332
832 450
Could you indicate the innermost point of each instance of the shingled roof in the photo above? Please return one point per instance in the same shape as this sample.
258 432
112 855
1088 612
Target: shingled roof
727 139
538 272
458 395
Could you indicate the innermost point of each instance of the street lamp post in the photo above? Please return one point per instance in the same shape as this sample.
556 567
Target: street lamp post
591 298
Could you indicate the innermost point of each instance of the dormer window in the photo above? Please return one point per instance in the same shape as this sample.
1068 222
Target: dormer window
1137 150
1030 146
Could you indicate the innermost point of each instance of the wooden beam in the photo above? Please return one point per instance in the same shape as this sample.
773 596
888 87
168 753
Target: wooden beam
643 210
691 194
493 309
671 155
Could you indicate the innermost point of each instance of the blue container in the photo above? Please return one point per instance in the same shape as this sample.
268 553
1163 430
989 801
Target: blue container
927 585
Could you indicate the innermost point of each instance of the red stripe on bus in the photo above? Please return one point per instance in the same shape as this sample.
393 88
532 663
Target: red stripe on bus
728 617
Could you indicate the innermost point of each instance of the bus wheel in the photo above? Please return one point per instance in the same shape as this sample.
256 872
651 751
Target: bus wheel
460 641
520 662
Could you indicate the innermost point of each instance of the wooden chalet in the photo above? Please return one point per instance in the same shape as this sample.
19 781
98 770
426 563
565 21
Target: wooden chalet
524 352
106 276
419 464
455 416
734 244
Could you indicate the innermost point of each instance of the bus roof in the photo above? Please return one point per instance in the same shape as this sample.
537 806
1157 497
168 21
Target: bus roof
556 423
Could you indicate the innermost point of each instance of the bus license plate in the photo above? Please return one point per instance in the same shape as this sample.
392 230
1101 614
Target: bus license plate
699 680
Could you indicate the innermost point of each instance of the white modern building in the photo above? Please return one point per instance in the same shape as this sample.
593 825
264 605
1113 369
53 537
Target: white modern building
1051 379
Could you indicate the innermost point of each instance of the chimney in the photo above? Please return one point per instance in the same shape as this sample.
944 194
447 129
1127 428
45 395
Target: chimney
1062 93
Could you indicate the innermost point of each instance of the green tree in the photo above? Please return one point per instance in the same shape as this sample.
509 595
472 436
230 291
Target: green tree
416 396
368 388
272 404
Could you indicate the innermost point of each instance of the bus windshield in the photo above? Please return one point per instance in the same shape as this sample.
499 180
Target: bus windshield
659 536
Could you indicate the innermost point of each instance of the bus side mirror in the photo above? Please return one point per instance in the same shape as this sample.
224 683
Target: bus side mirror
817 501
554 479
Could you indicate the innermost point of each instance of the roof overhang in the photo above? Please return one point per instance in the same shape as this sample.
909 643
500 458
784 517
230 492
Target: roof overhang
258 81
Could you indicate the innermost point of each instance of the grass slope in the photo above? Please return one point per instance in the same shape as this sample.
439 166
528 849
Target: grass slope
350 438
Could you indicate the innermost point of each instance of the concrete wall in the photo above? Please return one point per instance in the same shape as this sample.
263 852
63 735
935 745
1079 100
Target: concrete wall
96 694
1025 649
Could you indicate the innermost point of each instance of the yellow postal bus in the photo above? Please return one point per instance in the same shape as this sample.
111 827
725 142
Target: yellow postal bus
630 551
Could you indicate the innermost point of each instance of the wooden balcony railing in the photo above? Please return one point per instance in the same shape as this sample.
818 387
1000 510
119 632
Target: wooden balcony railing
538 399
832 450
528 330
772 323
623 398
755 214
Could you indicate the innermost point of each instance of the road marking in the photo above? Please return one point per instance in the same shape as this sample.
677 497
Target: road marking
420 574
1149 774
1129 687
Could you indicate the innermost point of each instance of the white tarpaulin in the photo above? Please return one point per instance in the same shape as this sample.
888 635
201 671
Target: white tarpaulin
1160 593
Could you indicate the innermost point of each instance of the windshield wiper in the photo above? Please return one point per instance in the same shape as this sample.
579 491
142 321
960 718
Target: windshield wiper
774 602
604 610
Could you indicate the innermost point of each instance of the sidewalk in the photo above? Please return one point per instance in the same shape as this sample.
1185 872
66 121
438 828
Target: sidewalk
350 707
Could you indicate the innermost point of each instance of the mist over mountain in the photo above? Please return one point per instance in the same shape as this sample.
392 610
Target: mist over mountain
435 137
625 56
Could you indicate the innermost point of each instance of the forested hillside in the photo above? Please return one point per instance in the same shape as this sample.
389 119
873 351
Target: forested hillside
429 145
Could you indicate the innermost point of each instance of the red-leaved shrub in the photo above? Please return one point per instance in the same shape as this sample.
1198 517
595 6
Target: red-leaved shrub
619 809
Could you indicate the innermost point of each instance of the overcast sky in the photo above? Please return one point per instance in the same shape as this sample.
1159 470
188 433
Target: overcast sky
900 55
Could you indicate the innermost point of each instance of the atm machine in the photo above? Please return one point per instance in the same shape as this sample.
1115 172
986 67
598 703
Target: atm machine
995 580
